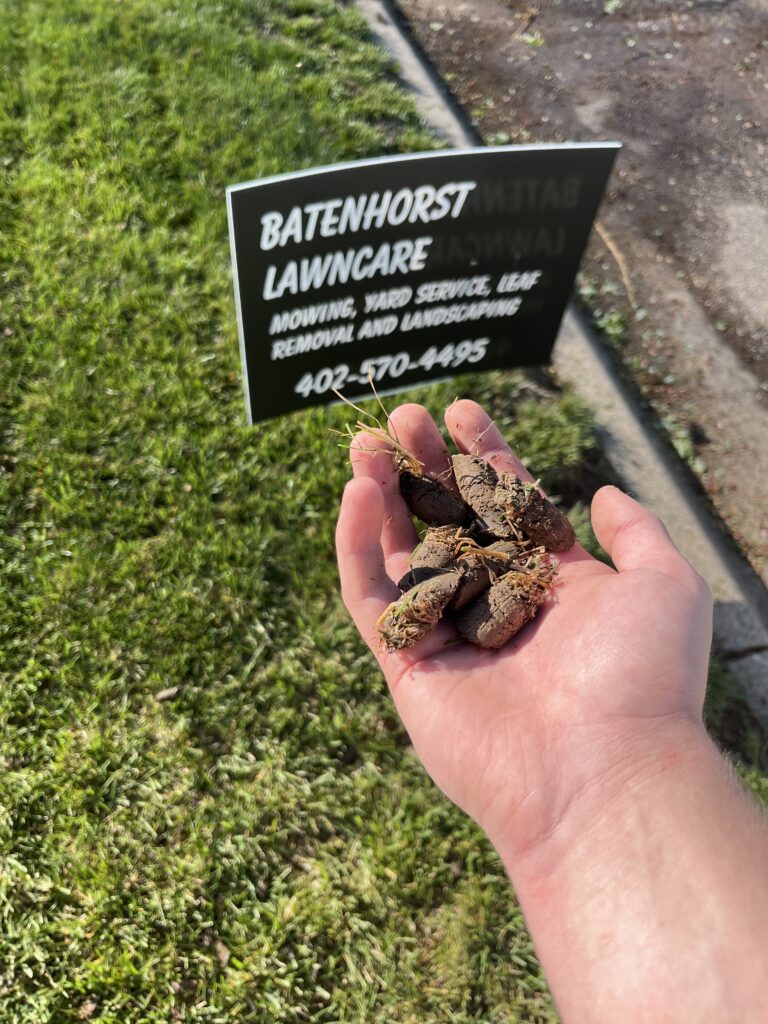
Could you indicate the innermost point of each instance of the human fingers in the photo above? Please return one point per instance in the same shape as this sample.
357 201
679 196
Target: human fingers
635 538
366 587
415 430
371 458
475 433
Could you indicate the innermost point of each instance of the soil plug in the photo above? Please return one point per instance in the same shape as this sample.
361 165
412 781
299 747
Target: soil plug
416 613
480 566
414 577
439 546
534 514
477 482
432 502
435 552
426 497
503 610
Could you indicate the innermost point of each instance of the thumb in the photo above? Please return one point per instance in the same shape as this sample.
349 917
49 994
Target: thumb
633 537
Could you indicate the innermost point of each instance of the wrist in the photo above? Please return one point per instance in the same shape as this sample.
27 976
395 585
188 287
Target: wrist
606 777
653 873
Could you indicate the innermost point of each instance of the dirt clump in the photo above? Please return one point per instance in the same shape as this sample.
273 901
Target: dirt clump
432 555
535 515
432 502
501 611
417 612
477 482
479 567
437 548
482 563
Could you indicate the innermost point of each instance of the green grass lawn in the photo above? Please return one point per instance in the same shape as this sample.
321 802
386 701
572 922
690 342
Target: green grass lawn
261 846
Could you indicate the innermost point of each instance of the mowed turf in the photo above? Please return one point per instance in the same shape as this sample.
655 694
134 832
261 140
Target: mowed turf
260 845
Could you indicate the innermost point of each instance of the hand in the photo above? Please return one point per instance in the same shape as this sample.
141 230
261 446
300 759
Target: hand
606 683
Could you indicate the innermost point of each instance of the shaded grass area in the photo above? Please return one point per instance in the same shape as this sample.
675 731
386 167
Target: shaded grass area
262 845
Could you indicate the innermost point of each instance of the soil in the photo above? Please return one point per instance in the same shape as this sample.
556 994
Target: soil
537 517
479 559
454 572
437 548
477 480
480 568
417 612
432 502
416 576
502 611
683 84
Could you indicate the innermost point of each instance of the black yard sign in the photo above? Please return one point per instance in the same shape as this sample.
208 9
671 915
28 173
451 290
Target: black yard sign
407 268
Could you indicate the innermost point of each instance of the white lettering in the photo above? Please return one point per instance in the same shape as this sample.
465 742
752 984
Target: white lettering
351 216
270 230
463 188
313 211
401 257
377 327
292 229
423 197
393 298
300 343
331 217
441 316
400 207
330 222
521 281
459 288
376 210
308 316
313 272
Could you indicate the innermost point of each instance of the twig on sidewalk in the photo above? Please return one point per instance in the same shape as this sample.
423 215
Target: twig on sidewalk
621 263
528 17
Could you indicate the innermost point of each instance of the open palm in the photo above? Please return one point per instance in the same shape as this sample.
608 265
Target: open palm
515 736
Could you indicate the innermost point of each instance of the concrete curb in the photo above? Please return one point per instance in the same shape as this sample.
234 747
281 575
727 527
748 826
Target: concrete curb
646 467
